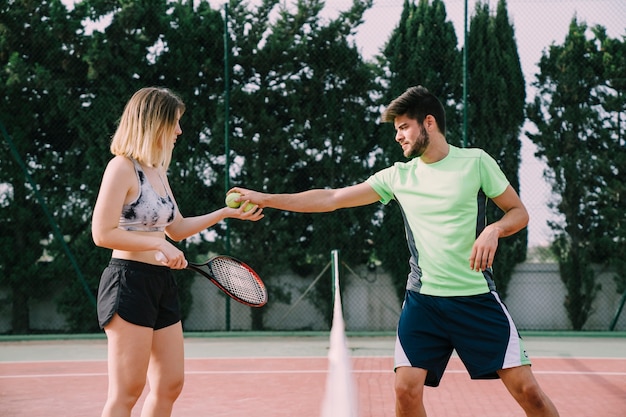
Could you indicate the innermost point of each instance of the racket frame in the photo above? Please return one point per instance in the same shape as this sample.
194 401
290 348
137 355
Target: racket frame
201 268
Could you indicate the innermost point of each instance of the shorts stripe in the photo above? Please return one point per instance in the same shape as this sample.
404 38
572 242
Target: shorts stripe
515 353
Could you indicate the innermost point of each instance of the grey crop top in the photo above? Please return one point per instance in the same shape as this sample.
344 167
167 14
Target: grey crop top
149 212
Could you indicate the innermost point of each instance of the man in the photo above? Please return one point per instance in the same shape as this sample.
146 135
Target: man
451 300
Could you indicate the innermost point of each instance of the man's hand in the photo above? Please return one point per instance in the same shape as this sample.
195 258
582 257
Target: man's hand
484 249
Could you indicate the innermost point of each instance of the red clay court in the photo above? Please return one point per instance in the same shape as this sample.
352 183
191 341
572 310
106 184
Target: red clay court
275 376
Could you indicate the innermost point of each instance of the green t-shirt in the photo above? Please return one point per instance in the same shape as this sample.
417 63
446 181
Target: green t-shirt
443 208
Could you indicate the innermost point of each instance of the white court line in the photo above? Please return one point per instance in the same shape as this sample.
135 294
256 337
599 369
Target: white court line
292 372
252 372
257 358
73 375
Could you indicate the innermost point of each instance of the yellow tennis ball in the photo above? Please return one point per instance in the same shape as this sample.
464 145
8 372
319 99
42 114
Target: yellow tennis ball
230 200
248 207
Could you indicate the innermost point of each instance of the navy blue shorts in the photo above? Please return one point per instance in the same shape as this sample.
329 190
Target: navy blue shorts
142 294
478 327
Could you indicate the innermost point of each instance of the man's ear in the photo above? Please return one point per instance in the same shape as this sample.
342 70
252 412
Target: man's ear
430 123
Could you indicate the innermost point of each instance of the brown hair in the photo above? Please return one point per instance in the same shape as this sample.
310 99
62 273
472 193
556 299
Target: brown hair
417 103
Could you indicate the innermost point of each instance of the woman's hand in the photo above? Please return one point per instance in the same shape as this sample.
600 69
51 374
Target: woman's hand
246 211
175 260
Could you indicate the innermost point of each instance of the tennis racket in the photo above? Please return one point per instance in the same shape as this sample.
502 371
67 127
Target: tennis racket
232 276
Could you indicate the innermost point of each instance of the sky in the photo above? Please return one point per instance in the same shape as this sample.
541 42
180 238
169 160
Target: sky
537 24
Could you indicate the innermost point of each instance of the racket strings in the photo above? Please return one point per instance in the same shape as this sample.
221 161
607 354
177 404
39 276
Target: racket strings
238 280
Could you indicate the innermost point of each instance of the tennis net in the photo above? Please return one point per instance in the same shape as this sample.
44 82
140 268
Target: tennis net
340 399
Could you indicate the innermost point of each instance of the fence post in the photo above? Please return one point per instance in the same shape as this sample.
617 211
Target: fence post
618 312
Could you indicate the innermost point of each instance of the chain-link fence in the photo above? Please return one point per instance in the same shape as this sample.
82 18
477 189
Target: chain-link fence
370 304
64 84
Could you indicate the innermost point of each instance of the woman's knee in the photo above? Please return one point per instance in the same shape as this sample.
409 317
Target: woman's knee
125 396
177 386
170 388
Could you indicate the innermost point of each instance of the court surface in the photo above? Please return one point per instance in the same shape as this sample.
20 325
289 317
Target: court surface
277 375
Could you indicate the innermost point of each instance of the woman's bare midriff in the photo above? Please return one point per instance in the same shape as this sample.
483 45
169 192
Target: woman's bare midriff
147 256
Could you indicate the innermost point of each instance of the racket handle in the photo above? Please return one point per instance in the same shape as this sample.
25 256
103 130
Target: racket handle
160 257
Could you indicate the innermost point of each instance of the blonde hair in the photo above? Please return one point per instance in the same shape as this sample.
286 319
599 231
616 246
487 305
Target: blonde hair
149 120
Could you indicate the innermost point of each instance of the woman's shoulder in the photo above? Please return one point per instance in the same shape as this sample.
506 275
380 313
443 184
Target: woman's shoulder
120 162
121 166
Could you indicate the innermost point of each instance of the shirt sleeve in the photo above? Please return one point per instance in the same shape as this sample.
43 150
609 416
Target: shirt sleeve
492 179
381 182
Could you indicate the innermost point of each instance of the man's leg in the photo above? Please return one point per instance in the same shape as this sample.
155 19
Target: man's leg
409 387
523 386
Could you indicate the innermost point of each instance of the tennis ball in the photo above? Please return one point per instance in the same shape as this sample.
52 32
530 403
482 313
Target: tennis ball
248 207
230 200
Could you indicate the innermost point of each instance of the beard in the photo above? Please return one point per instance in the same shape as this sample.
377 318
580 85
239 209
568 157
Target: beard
419 146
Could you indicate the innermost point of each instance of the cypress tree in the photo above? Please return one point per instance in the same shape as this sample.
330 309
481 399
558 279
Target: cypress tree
496 103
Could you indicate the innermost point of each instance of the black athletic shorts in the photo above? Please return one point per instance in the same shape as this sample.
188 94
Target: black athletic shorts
142 294
478 327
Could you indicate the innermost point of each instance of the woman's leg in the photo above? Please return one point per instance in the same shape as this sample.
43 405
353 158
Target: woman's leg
166 371
128 357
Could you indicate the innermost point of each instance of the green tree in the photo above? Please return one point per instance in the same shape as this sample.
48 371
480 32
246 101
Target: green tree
39 92
422 50
152 43
612 96
64 90
578 114
496 101
302 117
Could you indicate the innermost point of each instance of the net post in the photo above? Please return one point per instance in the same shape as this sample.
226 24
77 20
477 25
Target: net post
340 399
334 260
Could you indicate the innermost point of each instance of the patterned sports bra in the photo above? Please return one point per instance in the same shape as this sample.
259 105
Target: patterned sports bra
149 212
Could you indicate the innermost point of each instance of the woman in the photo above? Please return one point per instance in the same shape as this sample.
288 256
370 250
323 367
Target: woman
138 304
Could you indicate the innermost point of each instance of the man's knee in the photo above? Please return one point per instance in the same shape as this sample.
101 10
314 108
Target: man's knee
531 397
526 390
409 384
